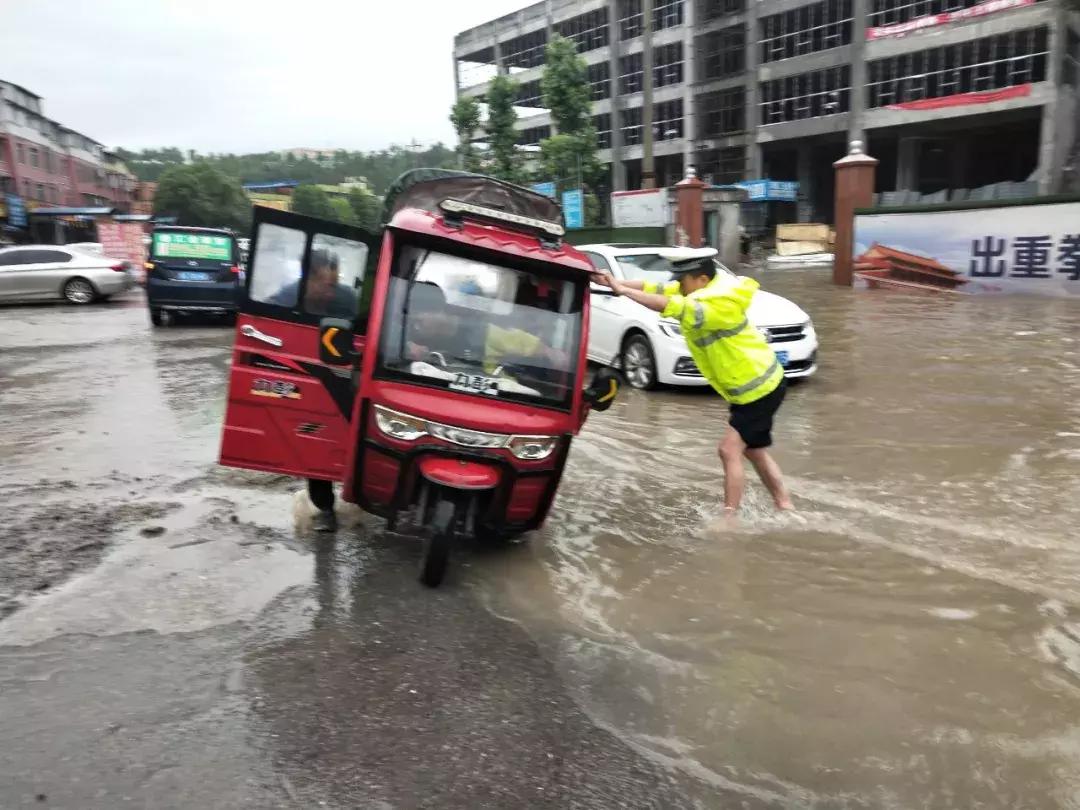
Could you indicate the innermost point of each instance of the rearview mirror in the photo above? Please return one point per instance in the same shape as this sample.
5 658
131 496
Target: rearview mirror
603 389
336 342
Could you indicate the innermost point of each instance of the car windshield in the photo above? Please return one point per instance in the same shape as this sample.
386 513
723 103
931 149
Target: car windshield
481 328
652 267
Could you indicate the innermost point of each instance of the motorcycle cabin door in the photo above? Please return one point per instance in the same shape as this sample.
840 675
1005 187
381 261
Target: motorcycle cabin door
287 411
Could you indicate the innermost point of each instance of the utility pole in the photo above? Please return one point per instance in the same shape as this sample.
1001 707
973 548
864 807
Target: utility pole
648 169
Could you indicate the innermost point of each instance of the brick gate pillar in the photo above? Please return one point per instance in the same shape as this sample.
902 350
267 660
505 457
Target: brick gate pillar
690 210
854 189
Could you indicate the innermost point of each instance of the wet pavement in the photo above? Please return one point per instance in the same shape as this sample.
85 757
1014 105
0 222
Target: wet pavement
174 636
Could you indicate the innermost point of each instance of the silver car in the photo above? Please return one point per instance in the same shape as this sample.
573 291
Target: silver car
60 272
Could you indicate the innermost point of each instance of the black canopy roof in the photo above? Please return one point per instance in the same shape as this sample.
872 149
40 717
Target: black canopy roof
426 188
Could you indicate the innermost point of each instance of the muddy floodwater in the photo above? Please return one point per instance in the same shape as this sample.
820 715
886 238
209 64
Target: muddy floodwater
174 636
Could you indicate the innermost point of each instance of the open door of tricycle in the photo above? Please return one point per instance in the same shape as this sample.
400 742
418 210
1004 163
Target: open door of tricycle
291 387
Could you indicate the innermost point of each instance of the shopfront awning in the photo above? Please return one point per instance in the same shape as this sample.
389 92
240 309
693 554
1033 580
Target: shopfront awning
72 212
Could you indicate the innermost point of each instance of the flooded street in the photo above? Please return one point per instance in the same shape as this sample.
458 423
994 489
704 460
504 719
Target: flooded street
173 635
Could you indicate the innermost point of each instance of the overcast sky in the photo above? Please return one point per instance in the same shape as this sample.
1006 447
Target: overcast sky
237 76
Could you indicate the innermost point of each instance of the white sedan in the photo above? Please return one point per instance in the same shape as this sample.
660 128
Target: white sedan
60 272
651 350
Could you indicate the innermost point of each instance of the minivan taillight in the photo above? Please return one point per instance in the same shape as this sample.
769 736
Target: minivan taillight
236 269
120 267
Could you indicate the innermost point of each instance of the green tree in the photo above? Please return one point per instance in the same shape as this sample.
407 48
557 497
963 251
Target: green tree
465 116
343 212
201 195
500 127
366 208
565 86
569 156
313 201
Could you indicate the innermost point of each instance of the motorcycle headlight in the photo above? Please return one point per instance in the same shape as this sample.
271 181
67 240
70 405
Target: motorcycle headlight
671 328
467 438
400 425
533 448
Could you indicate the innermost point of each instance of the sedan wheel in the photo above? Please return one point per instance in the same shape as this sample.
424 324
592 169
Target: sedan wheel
79 291
638 363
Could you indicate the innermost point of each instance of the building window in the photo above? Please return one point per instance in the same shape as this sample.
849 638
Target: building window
631 19
667 14
806 29
533 136
668 120
20 152
524 52
600 80
722 113
630 126
40 192
716 9
723 167
1070 72
602 125
990 63
808 95
35 159
529 95
26 188
894 12
668 64
723 52
630 74
587 31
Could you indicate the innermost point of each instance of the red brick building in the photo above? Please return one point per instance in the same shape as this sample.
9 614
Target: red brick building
49 165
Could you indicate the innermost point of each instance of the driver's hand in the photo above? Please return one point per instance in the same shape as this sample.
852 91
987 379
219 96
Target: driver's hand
416 351
603 279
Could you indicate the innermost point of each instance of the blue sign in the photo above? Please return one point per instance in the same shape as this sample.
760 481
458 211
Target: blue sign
16 211
765 190
573 208
547 189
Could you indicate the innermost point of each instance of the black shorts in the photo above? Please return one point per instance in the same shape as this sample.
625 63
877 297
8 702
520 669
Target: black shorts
754 420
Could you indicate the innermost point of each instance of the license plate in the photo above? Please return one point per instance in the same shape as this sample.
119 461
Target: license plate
187 275
783 358
476 383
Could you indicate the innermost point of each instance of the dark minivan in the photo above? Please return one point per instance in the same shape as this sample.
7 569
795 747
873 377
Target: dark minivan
192 270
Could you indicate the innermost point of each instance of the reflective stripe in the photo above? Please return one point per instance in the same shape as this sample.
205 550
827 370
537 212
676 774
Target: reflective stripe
712 337
754 383
699 315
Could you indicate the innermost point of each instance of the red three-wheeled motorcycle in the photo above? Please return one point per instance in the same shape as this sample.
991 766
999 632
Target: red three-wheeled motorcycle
436 371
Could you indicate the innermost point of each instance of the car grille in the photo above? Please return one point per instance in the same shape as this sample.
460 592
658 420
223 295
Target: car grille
796 366
785 334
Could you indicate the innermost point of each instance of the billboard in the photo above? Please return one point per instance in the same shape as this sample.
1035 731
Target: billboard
770 190
122 240
573 207
647 208
1029 248
934 20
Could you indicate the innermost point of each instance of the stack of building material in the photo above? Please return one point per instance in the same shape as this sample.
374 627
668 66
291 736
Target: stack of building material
802 245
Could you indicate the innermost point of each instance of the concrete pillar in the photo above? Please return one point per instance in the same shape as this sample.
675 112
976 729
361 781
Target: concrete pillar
618 169
496 49
805 175
854 189
690 211
754 161
857 112
1045 173
648 169
689 77
907 164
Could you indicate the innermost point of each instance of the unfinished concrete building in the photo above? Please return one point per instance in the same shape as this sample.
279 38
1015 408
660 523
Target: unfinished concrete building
957 98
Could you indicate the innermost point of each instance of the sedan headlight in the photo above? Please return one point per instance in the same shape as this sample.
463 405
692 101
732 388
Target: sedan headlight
671 328
400 425
533 448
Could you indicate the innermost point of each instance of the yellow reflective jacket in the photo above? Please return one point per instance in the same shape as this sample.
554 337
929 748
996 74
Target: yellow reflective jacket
730 352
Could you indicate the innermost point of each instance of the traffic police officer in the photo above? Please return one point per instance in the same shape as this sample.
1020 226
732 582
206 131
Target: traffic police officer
731 354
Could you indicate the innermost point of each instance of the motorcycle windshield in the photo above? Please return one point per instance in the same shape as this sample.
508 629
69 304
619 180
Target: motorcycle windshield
481 328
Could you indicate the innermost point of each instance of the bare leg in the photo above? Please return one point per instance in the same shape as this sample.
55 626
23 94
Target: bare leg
731 451
769 472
